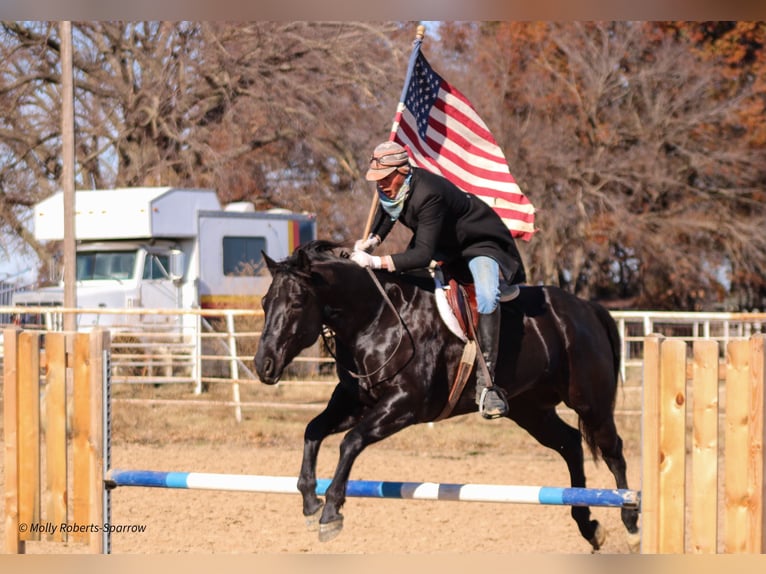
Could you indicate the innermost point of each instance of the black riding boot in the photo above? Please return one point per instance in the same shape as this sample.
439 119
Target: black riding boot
491 399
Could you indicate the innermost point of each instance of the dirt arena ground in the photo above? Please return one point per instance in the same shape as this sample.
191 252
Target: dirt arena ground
462 450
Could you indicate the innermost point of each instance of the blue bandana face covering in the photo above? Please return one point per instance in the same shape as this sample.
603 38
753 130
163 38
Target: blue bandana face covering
394 206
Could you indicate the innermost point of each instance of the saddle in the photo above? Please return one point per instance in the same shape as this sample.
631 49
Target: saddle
456 301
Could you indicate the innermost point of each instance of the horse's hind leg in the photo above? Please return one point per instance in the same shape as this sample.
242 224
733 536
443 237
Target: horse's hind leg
610 445
338 416
550 431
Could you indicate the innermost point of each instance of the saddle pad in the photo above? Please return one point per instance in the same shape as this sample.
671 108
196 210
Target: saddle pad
451 302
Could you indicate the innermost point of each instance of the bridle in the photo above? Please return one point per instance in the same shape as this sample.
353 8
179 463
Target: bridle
327 334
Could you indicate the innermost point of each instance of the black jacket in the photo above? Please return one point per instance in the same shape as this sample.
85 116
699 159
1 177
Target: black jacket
447 224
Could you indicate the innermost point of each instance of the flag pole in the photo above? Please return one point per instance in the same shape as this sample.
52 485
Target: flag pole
419 34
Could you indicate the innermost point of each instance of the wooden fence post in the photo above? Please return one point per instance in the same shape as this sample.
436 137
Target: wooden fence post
704 478
650 439
743 455
758 349
99 343
56 433
88 439
13 543
736 447
81 434
28 409
672 504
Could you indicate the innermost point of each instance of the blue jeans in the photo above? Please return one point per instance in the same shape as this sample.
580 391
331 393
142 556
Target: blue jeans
486 281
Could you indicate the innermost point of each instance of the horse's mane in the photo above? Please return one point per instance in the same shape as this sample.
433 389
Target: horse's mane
318 250
324 250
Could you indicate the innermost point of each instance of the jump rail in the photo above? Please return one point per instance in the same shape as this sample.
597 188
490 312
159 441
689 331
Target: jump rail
619 498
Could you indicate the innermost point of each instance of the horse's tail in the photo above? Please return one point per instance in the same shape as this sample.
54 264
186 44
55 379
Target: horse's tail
613 334
614 340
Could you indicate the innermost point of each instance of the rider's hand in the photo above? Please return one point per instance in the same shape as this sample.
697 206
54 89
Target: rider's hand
365 259
368 245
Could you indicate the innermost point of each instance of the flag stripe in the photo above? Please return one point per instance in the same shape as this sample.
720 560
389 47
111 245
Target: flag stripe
459 168
471 127
453 137
445 135
507 213
464 155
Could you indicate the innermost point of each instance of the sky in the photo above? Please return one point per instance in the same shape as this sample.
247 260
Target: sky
15 265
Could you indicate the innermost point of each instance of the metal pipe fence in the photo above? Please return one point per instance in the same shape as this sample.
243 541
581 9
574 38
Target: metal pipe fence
204 347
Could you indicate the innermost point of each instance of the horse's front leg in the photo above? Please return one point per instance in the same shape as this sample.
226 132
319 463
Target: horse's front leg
340 414
387 417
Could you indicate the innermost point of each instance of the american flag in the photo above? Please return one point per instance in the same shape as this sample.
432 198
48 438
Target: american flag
445 135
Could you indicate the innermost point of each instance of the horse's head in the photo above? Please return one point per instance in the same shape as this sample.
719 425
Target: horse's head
293 312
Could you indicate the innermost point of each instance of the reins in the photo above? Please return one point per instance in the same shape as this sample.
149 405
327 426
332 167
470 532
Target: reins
465 367
402 330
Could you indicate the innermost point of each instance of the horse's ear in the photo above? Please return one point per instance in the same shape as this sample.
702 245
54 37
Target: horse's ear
270 263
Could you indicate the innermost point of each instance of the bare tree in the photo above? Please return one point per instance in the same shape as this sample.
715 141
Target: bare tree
279 113
642 151
631 147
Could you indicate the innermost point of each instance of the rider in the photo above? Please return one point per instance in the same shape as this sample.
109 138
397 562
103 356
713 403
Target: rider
447 223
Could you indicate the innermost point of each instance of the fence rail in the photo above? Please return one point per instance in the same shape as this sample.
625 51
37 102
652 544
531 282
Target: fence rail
688 326
204 347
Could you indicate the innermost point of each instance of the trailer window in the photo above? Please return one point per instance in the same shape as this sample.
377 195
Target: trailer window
242 255
306 232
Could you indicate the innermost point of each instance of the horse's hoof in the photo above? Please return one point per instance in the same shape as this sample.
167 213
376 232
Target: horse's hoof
312 520
330 530
599 536
634 542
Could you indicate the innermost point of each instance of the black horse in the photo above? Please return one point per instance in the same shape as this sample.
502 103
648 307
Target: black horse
396 361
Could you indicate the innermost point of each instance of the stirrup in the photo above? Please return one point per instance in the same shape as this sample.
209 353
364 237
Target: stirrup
498 410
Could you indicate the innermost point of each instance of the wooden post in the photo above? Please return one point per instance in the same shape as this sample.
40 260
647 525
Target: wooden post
233 367
650 440
672 504
757 513
737 448
68 175
56 434
98 448
704 479
22 405
758 369
28 371
13 543
81 433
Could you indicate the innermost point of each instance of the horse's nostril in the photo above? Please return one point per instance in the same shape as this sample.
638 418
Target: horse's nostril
268 367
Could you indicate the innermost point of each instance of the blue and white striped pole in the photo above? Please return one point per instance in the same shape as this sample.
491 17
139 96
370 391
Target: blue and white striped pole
619 498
